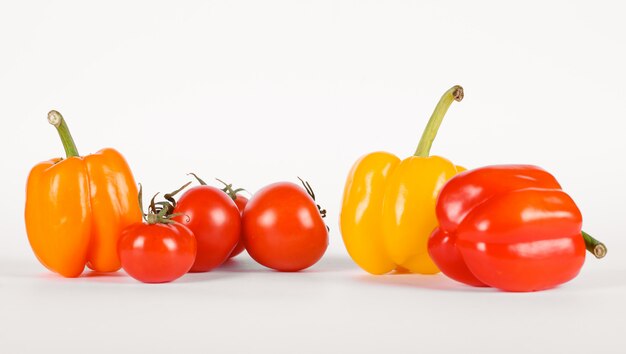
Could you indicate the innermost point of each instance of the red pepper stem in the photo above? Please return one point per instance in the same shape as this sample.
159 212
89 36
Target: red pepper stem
430 132
597 248
55 118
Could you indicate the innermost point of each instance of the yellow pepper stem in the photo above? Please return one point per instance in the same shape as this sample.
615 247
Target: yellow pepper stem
55 118
430 132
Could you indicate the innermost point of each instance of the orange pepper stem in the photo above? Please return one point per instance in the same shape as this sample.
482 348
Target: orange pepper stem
597 248
55 118
430 132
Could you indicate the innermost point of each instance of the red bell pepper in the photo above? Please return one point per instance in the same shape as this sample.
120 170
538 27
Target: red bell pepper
510 227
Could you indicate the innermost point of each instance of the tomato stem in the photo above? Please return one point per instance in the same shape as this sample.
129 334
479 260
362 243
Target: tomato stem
228 189
170 198
56 119
140 200
597 248
203 183
156 215
430 132
309 190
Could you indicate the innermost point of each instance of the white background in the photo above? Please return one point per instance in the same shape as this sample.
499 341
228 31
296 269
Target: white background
260 91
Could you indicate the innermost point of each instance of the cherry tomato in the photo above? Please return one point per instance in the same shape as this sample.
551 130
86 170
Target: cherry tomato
214 219
283 228
241 202
157 253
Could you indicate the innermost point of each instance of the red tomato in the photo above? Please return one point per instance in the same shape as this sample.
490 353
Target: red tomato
283 228
157 253
214 219
241 202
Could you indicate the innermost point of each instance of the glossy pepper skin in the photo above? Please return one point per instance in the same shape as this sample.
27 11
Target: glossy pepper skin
510 227
77 207
388 209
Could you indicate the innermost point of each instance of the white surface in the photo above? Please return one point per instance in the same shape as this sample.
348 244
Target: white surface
333 307
259 91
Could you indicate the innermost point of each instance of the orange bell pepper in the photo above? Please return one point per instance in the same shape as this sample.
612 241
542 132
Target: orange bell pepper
77 207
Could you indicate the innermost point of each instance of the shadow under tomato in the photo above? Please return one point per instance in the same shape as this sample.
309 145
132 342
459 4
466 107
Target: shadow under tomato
242 264
121 277
328 264
202 277
334 264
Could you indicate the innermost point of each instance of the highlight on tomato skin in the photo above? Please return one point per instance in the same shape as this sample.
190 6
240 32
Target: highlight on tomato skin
283 227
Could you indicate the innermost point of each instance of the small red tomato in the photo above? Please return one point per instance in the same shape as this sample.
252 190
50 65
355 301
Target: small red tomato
283 228
214 219
241 202
157 253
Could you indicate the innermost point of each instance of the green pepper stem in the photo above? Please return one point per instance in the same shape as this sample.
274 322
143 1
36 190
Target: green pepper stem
55 118
430 132
597 248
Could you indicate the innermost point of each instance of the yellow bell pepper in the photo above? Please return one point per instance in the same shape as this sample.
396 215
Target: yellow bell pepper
388 209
